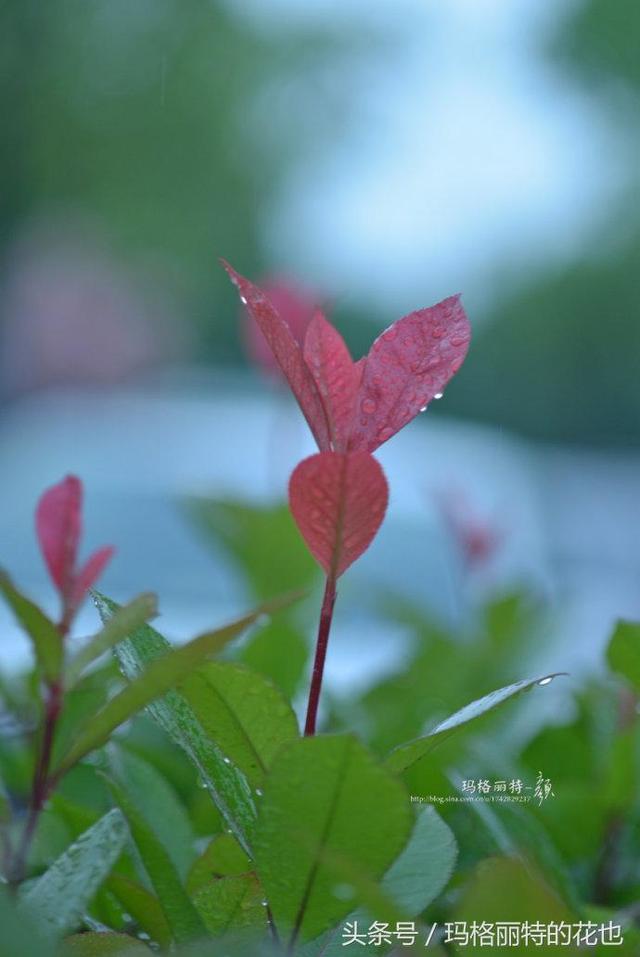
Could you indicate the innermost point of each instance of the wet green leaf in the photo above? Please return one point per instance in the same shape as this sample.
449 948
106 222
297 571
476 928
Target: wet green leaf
122 623
60 896
156 800
227 785
143 906
243 713
161 674
232 904
328 809
223 857
181 915
405 755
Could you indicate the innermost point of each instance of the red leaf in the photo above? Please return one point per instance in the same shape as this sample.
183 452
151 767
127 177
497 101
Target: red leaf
59 526
409 364
336 375
288 354
293 304
338 501
89 574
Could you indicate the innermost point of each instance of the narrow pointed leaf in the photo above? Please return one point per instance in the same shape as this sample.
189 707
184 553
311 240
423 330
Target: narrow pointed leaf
287 353
156 800
45 637
409 364
338 501
58 898
326 803
143 906
182 917
59 526
225 783
405 755
336 376
126 620
159 677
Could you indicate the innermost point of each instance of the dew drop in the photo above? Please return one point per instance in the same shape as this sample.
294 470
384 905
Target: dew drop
368 406
385 433
545 681
343 892
259 792
423 408
243 300
265 903
438 395
227 760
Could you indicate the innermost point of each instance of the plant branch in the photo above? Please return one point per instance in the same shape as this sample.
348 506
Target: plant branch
324 627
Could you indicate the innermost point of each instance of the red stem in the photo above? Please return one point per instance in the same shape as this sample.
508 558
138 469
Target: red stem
324 627
41 782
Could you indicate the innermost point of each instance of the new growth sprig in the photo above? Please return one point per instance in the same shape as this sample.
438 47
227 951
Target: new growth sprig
59 530
338 497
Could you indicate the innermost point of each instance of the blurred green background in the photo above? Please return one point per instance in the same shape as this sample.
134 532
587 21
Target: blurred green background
142 140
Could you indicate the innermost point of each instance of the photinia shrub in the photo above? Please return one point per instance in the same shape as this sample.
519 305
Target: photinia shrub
171 804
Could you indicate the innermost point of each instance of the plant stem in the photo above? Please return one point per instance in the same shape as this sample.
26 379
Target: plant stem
324 627
41 783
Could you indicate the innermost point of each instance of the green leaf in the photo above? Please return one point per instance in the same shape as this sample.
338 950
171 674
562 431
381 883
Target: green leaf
20 937
125 620
263 540
506 889
44 635
143 906
623 653
156 800
226 784
104 945
243 713
328 809
181 915
223 857
405 755
425 866
232 904
59 898
414 880
160 675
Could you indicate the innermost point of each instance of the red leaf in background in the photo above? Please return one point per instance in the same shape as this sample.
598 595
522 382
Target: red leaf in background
338 501
335 374
294 304
59 526
407 366
89 574
287 353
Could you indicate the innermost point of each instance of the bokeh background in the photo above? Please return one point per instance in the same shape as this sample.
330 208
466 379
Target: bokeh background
384 156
